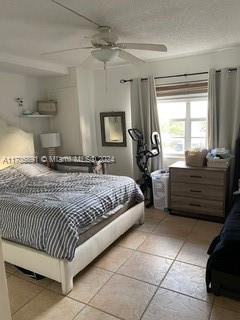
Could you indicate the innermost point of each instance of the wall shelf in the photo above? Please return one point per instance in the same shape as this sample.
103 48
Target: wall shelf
36 116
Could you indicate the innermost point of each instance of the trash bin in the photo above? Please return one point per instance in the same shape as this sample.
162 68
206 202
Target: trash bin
160 180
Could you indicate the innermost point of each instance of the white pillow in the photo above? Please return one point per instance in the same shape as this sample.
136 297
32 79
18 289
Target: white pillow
33 169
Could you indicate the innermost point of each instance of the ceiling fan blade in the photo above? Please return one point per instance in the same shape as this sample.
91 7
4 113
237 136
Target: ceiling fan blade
129 57
143 46
62 51
75 12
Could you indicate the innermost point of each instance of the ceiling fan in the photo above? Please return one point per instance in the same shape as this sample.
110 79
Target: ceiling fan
105 46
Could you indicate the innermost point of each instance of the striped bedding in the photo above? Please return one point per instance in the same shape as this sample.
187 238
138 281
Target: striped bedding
47 210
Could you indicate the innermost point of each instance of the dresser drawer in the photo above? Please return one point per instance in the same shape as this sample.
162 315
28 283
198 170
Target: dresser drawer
201 206
197 191
198 176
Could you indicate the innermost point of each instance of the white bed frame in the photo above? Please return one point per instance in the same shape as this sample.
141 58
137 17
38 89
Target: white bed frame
16 142
63 271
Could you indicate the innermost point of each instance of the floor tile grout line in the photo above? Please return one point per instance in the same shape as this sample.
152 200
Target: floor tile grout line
210 314
116 272
144 282
184 241
159 286
86 304
111 314
186 295
156 291
29 301
155 255
190 264
173 261
90 306
134 251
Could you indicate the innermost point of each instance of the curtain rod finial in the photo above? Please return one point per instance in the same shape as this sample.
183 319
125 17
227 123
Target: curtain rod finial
124 80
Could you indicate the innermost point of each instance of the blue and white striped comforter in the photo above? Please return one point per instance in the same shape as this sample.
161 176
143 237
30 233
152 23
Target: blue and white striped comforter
48 211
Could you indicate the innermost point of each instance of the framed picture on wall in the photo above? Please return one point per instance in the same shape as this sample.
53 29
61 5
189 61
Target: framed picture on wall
113 129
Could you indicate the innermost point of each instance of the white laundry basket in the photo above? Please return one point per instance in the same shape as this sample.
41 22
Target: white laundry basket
160 189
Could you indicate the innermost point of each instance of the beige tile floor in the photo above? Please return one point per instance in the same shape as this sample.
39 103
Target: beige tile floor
154 272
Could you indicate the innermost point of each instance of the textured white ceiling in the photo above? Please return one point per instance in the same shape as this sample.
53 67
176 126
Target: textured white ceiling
29 27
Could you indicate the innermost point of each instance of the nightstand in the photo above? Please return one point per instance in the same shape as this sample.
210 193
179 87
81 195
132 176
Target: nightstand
200 192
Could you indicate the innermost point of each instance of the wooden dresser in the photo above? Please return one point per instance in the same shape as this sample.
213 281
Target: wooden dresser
198 192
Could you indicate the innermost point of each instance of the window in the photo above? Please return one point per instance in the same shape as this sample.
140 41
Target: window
183 123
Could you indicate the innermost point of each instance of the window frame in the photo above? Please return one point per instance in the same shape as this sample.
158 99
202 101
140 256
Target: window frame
188 120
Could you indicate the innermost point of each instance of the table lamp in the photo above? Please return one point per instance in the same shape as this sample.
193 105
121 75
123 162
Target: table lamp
50 141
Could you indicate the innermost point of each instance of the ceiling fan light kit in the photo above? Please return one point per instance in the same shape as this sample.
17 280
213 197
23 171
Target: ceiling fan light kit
105 43
104 55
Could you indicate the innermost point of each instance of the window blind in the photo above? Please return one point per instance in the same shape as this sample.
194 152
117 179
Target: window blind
179 89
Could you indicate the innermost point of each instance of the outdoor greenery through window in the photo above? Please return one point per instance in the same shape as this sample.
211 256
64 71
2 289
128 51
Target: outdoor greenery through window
183 123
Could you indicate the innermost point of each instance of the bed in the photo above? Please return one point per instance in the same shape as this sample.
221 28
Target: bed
54 223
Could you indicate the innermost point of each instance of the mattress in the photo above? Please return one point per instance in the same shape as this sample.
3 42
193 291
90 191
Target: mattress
93 228
49 211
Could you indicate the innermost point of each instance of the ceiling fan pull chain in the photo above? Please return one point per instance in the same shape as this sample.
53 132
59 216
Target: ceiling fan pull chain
106 76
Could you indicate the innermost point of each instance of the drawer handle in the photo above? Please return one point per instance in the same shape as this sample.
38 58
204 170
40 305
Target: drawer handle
195 191
194 205
199 177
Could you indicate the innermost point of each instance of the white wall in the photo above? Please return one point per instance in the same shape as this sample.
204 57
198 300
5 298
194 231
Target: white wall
64 90
117 98
85 88
13 86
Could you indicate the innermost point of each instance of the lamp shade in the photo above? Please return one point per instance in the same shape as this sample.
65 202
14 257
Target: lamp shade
50 140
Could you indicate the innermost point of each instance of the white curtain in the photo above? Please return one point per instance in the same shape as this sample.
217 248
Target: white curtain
145 116
224 108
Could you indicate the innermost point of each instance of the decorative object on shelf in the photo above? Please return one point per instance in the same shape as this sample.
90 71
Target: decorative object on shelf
19 101
47 107
27 112
50 141
113 129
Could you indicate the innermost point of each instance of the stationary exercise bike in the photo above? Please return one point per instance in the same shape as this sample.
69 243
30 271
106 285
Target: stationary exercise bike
142 158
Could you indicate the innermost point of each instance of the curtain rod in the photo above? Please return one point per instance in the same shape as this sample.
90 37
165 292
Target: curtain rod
176 75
